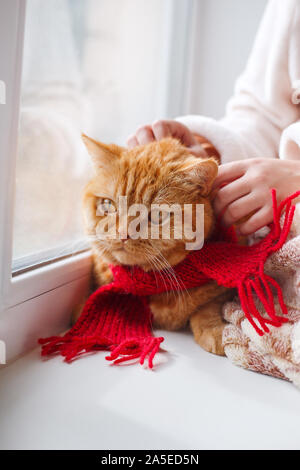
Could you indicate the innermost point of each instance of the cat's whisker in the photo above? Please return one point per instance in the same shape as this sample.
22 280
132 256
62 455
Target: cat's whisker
176 291
157 266
158 270
164 270
150 261
172 272
179 286
163 273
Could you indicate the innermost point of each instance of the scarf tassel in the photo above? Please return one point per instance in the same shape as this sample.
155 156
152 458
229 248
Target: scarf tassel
262 284
72 348
246 290
136 348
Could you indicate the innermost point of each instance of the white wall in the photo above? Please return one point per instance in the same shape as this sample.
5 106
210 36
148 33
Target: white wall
225 32
123 65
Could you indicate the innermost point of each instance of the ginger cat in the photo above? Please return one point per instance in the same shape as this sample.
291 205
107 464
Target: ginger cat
159 172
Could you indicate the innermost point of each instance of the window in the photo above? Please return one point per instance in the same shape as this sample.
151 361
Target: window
87 65
67 66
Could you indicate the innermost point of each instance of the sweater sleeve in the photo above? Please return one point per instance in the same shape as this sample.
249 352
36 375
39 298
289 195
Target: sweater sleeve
289 148
262 106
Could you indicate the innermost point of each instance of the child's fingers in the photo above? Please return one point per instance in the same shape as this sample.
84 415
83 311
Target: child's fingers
229 172
182 133
132 141
261 218
169 128
229 193
161 129
144 135
241 208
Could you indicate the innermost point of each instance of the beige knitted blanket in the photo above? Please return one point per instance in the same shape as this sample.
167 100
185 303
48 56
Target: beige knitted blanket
276 353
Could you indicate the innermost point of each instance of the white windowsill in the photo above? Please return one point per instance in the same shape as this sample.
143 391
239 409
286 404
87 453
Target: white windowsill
43 279
193 400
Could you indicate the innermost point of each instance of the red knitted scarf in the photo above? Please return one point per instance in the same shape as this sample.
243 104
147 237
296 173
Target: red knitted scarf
117 317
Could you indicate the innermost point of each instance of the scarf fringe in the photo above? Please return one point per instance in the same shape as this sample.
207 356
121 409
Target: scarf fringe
71 348
262 284
136 348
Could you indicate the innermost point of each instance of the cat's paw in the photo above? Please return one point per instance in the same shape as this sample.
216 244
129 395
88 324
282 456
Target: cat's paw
210 339
212 342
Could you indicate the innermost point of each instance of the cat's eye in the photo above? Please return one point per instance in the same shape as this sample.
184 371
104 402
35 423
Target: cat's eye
159 217
105 206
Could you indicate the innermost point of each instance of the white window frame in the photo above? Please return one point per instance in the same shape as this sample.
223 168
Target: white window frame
38 302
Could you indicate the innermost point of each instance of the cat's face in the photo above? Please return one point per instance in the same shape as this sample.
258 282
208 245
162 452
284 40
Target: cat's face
158 173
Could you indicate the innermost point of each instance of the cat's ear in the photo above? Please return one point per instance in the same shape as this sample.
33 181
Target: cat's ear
103 156
201 172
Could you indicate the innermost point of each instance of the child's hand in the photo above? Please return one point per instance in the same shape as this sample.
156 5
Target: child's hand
247 190
161 129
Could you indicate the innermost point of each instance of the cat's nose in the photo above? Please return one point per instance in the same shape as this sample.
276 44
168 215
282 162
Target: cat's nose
124 238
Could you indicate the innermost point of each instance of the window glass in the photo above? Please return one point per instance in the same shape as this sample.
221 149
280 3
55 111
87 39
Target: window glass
89 65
